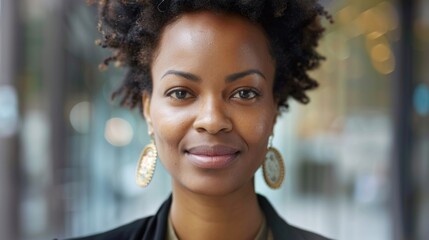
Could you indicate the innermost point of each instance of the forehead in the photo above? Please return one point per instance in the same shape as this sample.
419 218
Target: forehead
212 23
210 35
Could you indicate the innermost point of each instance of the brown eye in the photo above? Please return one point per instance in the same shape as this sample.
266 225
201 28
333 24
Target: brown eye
179 94
246 94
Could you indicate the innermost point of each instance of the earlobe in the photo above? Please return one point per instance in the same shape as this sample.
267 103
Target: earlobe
146 111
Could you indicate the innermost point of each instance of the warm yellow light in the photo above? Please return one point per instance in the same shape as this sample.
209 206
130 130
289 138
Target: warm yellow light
380 19
374 35
380 53
346 15
385 68
390 15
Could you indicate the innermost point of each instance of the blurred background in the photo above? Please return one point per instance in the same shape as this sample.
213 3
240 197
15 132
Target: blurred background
357 157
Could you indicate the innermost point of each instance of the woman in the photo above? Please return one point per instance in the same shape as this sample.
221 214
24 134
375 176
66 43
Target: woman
211 77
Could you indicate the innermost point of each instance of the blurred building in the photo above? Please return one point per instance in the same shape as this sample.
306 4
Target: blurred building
357 156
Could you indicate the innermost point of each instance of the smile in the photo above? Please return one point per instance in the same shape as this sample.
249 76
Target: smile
212 157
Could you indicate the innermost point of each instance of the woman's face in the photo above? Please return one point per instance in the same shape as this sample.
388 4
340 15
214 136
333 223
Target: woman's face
212 107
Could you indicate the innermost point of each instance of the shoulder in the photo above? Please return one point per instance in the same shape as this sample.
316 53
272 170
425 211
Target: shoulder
280 228
153 228
305 235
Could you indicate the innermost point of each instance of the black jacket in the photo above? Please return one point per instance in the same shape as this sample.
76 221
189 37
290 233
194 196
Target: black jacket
155 227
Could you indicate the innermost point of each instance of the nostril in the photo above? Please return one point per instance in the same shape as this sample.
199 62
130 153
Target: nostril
213 124
213 116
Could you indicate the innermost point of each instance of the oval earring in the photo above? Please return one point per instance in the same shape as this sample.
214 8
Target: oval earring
146 165
273 167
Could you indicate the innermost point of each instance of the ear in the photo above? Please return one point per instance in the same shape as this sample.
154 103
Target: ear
146 111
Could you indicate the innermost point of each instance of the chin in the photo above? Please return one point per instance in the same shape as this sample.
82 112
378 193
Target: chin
213 191
216 187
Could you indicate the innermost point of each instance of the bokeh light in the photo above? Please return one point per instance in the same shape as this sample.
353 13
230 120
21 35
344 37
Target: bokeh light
118 132
421 99
8 111
80 116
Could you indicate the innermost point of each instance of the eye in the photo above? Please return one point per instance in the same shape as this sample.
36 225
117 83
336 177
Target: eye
246 94
179 94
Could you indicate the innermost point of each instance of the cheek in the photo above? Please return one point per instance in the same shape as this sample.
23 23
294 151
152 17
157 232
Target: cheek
169 126
256 128
166 136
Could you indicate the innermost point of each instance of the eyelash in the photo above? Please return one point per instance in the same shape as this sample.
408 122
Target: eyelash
186 94
253 91
179 90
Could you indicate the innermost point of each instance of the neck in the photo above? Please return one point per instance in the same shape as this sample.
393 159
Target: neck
233 216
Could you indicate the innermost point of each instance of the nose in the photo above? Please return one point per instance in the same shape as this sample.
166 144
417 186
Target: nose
212 117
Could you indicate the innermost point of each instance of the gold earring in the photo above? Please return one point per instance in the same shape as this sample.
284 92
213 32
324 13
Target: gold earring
273 167
146 165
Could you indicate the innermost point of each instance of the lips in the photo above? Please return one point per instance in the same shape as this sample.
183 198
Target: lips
212 157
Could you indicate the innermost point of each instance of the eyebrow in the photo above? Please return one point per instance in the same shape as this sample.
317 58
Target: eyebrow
236 76
186 75
230 78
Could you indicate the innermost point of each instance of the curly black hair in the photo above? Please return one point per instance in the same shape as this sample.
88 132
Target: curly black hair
133 28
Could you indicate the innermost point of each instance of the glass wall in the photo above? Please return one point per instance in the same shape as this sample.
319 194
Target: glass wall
337 148
420 150
77 151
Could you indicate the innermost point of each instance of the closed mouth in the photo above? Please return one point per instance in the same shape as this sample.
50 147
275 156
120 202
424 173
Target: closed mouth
216 150
212 157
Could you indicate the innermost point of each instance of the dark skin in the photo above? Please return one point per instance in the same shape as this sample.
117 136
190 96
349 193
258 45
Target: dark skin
211 124
133 29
